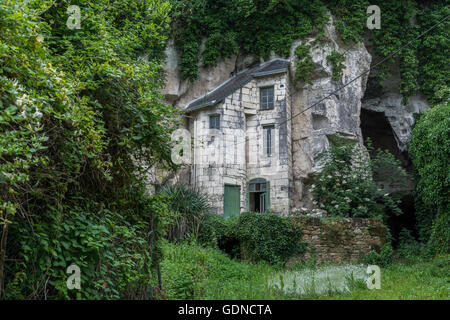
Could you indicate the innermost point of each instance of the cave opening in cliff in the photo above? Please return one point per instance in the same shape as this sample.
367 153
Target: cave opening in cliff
375 126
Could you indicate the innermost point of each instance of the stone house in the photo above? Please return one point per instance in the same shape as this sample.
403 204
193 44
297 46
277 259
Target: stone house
242 150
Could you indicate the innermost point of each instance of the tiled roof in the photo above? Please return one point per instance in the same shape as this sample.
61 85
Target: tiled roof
239 80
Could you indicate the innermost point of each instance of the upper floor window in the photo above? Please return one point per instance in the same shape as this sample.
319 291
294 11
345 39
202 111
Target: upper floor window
266 98
268 135
214 121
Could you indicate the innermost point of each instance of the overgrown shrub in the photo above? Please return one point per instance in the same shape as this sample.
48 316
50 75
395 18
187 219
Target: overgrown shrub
255 236
112 249
190 208
382 259
439 242
269 237
346 187
218 232
430 151
409 249
79 109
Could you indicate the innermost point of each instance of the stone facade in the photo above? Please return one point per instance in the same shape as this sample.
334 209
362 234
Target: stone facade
341 240
234 154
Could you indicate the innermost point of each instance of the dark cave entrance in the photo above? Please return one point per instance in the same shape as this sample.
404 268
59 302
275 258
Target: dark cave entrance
407 220
375 126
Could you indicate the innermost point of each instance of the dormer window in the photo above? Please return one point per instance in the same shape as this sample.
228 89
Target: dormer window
214 121
266 98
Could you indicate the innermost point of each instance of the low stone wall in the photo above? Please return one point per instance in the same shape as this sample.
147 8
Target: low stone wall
340 240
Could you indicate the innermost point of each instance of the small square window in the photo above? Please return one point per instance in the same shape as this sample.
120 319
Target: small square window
266 98
214 121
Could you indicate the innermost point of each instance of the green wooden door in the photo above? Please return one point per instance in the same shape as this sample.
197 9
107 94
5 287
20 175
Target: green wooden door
232 201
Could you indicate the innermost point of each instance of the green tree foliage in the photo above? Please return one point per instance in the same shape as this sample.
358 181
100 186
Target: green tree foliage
430 153
347 187
79 108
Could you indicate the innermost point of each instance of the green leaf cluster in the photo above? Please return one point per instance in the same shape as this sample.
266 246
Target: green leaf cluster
355 184
430 154
336 59
81 120
255 236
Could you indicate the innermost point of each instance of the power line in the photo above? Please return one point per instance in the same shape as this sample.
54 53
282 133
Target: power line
362 74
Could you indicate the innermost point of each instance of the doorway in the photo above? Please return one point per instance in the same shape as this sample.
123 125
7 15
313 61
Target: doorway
231 201
258 195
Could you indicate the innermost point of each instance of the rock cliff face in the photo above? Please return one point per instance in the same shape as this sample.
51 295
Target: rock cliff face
333 118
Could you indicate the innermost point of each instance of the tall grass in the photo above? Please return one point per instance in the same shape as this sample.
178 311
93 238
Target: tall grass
190 271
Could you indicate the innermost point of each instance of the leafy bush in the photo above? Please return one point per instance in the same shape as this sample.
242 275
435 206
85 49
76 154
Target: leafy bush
430 151
440 266
257 236
409 249
382 259
79 110
269 237
221 233
189 206
111 248
439 242
346 188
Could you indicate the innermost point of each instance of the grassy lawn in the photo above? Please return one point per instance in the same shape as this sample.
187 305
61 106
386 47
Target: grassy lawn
193 272
403 282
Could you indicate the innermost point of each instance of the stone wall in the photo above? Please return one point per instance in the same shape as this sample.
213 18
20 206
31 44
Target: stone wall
340 240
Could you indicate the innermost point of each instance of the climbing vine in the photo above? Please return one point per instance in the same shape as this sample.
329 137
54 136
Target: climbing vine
208 31
214 30
304 64
423 64
336 59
